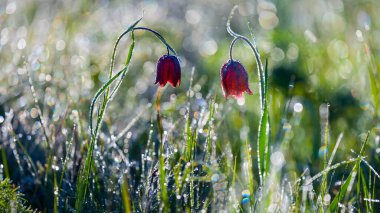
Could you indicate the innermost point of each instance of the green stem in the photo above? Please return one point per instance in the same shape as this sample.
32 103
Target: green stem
264 127
83 180
159 36
260 67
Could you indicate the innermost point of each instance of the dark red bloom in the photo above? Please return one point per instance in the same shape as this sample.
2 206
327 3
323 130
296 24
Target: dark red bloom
168 70
234 79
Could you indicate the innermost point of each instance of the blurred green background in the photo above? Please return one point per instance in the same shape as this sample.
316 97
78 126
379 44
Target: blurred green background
323 65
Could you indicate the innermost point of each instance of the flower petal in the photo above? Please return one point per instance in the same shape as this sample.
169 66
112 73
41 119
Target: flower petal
234 79
168 70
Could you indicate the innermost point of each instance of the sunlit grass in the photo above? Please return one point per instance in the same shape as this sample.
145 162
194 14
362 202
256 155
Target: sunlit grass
75 137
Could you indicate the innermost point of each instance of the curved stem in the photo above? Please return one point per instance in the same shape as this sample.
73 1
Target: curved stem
83 180
116 44
234 41
232 45
159 36
259 65
263 142
110 75
131 28
254 50
158 109
129 57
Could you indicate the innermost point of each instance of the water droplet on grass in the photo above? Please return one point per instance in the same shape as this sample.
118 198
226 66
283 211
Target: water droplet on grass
245 200
245 193
326 199
214 177
11 8
298 107
277 159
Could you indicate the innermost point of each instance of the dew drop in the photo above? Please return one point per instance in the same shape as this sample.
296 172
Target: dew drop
245 200
214 177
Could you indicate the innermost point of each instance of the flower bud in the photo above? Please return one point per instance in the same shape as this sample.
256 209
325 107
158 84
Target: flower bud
234 79
168 70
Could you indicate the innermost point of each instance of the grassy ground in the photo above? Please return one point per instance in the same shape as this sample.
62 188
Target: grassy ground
77 135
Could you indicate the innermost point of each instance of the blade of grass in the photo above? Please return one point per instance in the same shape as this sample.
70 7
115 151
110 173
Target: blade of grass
55 192
234 173
371 168
268 133
5 162
250 172
23 149
209 125
325 163
372 79
162 173
363 184
189 141
39 111
340 137
125 196
374 88
159 120
264 126
130 28
162 178
83 178
68 150
127 61
263 137
343 189
373 191
345 186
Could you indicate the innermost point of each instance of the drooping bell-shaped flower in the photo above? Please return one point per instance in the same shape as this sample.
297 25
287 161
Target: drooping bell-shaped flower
168 70
234 79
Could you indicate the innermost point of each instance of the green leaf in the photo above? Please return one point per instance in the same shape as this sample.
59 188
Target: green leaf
125 196
374 89
83 179
374 84
343 190
262 142
264 130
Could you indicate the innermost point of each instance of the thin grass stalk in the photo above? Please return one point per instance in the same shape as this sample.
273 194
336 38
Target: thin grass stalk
83 178
344 191
39 111
4 162
125 196
68 150
188 139
325 163
250 173
55 192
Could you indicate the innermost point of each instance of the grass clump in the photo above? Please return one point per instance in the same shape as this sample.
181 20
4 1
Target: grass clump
76 138
11 200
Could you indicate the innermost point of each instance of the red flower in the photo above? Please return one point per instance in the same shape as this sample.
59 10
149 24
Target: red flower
234 79
168 70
